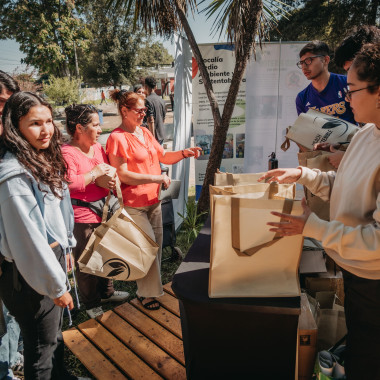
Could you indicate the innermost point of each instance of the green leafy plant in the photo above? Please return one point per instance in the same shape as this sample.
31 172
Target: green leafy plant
62 90
192 220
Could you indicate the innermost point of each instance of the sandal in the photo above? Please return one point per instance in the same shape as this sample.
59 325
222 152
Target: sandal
149 305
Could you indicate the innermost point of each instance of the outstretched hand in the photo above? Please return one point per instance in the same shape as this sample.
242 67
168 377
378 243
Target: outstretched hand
192 152
282 175
291 224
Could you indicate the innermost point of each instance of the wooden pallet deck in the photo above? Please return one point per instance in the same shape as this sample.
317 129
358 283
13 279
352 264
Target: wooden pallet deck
130 342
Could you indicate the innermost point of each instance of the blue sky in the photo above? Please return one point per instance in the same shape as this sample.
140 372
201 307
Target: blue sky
10 55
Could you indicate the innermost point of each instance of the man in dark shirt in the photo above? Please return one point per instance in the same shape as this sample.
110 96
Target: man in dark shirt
156 110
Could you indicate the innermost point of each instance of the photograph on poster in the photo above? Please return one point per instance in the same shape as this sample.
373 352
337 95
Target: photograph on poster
204 142
264 107
228 151
240 141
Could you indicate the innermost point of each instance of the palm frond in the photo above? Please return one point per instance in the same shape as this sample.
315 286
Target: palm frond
239 17
157 16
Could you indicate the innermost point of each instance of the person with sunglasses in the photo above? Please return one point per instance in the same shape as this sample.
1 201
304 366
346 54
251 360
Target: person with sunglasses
352 237
136 155
87 169
325 93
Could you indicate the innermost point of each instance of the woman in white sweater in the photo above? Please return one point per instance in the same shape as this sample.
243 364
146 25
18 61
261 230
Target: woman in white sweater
352 237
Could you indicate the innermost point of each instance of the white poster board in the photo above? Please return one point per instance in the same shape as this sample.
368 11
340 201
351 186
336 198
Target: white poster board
220 62
273 82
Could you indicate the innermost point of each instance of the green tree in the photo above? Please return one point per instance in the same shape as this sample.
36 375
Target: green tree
113 47
243 20
47 30
153 54
62 90
326 20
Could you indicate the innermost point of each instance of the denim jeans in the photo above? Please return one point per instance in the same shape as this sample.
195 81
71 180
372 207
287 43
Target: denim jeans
9 346
40 321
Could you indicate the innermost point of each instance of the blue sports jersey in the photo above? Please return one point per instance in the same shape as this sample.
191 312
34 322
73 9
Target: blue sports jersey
330 101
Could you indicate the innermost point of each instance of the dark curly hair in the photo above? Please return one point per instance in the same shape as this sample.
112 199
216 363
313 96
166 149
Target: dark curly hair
353 42
78 114
7 82
47 166
367 65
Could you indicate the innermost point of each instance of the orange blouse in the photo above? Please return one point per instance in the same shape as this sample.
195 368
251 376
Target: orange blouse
141 158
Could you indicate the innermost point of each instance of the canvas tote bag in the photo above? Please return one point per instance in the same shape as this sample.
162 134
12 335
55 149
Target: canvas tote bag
234 179
316 160
246 259
118 248
315 127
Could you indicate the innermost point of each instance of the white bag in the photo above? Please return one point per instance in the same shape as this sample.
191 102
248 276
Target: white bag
316 127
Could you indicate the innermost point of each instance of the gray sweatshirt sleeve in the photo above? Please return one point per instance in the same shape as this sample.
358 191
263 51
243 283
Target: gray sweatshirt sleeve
24 240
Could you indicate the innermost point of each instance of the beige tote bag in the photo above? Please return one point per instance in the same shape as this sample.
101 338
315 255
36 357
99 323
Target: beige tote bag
246 259
118 248
234 179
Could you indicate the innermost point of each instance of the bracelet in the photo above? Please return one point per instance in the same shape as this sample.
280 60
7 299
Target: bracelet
93 178
183 153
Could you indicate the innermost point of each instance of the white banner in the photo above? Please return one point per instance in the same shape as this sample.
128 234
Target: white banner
182 120
273 82
220 62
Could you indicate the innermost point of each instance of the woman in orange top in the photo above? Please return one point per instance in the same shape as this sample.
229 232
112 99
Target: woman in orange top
136 155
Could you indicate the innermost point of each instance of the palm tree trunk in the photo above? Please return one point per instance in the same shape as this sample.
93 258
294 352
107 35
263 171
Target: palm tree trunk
220 134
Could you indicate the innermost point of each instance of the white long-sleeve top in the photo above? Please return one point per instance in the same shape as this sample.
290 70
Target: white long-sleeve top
352 237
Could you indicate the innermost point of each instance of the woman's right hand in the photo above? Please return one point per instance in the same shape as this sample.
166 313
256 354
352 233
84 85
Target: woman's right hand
64 301
282 175
100 170
165 181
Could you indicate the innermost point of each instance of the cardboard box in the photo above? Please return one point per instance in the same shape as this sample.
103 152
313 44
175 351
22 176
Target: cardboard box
307 340
330 281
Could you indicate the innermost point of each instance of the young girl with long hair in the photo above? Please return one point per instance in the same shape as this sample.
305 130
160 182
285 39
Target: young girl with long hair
36 224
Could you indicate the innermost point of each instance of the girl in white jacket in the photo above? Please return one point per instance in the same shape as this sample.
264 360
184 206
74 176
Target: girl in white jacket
36 223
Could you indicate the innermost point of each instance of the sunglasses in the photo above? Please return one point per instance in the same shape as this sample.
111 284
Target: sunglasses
139 110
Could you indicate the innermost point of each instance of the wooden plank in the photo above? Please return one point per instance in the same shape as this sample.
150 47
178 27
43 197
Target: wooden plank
170 303
151 329
162 316
158 359
92 359
168 289
121 355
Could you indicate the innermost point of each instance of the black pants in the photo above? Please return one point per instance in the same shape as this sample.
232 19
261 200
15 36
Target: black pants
362 309
91 288
40 322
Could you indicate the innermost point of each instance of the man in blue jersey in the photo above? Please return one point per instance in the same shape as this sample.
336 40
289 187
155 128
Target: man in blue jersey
326 92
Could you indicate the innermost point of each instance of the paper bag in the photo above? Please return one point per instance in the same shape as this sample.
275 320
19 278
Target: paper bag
269 272
316 160
317 127
118 248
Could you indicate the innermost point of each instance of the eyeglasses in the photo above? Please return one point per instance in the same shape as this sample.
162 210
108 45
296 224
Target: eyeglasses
349 93
307 61
139 110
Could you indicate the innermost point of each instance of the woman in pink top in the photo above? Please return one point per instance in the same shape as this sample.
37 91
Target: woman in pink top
136 155
87 165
